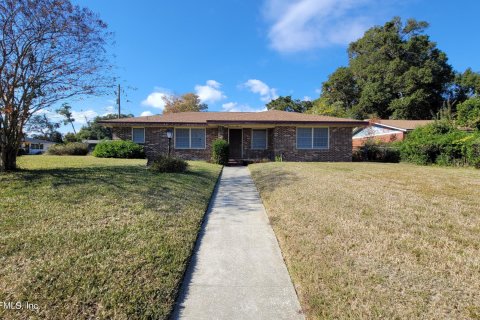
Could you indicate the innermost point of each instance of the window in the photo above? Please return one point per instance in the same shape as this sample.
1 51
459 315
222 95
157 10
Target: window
312 138
186 138
197 138
138 135
259 139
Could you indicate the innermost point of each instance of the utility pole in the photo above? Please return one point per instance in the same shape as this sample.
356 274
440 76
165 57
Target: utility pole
118 100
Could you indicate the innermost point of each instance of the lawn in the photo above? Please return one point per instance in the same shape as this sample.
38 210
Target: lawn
366 240
83 237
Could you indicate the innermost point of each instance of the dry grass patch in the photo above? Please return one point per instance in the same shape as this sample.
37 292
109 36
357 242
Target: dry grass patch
367 240
88 238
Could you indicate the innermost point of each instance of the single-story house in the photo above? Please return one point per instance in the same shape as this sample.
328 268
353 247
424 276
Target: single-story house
385 130
251 135
36 146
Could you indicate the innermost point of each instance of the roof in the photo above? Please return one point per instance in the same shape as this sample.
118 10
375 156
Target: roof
32 140
404 125
205 118
90 141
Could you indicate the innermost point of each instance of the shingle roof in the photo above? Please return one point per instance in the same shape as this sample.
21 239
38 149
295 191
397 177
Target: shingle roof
403 124
271 116
33 140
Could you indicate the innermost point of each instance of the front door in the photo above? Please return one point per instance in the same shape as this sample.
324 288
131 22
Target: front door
235 141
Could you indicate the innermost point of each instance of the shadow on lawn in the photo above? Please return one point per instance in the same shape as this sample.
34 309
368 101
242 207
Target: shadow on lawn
269 179
124 181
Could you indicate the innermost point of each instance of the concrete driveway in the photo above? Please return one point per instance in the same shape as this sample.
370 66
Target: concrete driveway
237 270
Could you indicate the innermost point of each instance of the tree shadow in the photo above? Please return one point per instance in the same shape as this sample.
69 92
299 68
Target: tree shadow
269 180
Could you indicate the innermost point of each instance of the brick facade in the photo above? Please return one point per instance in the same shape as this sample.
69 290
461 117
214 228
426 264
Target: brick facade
340 145
281 141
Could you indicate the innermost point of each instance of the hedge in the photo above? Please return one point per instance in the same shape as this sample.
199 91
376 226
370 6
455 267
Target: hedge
443 144
69 149
119 149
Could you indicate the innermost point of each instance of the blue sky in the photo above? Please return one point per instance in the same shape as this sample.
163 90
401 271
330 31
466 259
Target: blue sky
239 54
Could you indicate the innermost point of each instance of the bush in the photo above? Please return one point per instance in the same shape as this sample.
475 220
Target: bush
441 143
220 152
69 149
468 113
119 149
377 152
168 165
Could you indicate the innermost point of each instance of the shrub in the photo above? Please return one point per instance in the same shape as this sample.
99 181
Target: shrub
220 152
119 149
377 152
69 149
442 144
468 113
168 164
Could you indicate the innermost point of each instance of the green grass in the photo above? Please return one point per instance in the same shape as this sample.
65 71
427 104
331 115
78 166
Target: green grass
369 241
85 237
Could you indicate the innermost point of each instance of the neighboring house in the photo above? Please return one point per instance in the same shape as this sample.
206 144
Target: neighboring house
251 135
91 144
385 130
36 146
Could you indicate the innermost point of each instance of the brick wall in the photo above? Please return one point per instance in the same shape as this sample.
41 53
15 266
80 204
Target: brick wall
249 153
156 142
387 138
340 149
122 133
281 141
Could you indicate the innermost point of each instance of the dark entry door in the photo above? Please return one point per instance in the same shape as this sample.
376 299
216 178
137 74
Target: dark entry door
235 141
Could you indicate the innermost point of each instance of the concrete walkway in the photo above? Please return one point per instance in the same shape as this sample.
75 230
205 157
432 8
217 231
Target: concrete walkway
237 270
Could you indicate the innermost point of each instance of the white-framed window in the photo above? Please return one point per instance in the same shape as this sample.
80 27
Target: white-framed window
259 139
36 146
313 138
190 138
138 135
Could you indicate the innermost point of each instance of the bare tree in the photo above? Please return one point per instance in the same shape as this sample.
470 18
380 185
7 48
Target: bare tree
50 50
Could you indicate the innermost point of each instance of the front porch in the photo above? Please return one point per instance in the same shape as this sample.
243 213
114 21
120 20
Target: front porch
248 145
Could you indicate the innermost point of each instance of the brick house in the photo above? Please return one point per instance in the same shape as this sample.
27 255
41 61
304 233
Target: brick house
251 135
381 130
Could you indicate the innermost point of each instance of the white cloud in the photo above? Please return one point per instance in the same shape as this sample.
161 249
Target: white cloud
266 93
155 99
299 25
235 107
110 110
146 113
210 92
82 117
307 98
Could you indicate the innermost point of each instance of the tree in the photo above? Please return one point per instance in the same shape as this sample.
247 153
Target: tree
95 131
70 137
289 104
341 89
66 112
189 102
50 50
42 128
394 71
322 107
468 83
